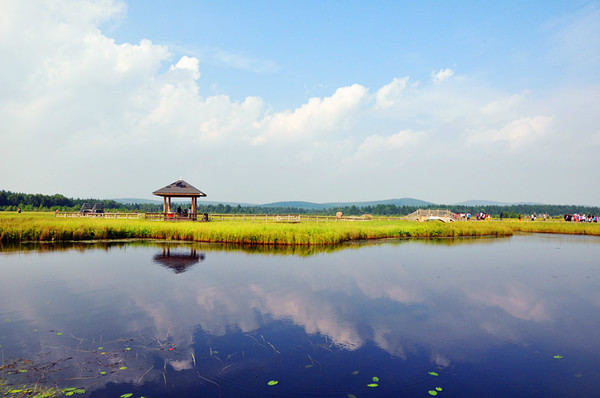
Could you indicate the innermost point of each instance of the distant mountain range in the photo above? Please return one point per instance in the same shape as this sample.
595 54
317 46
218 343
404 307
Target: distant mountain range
298 204
493 203
320 206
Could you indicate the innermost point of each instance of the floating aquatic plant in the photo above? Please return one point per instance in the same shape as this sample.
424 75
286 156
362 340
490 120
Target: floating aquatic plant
433 374
273 383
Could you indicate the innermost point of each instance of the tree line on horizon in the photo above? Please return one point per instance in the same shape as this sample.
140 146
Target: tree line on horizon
11 201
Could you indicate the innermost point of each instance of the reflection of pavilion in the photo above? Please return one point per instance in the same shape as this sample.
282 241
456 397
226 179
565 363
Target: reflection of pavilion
177 261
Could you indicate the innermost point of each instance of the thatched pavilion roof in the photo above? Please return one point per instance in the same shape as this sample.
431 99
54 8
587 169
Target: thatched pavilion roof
179 188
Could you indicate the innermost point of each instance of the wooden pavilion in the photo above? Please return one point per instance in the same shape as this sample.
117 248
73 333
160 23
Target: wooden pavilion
180 189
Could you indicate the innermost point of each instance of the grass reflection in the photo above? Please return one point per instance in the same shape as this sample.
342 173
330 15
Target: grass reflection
260 249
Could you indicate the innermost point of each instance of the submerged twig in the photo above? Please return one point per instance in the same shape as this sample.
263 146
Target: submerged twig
210 381
142 376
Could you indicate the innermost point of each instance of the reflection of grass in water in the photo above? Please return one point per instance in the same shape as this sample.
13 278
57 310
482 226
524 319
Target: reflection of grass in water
275 250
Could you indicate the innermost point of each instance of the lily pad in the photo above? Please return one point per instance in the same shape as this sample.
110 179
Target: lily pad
373 385
438 389
355 372
558 357
432 392
22 370
100 348
129 394
123 367
59 333
375 379
273 383
433 374
103 373
128 349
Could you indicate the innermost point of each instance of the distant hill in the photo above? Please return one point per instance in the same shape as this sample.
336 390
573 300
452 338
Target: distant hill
128 201
493 203
329 205
322 206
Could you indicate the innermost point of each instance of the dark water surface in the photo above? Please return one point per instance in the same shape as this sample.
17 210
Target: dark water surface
488 316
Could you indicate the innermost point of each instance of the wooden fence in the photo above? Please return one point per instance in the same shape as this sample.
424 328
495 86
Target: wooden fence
282 218
128 216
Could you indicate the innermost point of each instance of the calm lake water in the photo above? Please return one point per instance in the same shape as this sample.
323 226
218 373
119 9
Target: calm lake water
488 316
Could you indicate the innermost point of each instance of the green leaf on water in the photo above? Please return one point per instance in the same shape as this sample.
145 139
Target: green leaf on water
308 366
103 373
372 385
272 382
103 353
128 349
100 348
558 357
432 392
79 391
69 389
433 374
22 370
438 389
355 372
123 367
375 379
127 395
68 394
59 334
14 391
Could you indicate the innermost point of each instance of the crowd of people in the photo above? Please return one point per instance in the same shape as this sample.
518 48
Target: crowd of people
467 216
581 217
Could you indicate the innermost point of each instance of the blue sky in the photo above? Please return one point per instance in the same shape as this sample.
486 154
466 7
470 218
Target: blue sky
320 100
312 48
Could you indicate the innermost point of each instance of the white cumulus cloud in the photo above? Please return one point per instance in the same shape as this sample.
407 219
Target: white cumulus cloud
318 115
518 133
443 74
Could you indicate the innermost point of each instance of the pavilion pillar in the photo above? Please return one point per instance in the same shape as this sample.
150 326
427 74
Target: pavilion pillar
169 204
164 204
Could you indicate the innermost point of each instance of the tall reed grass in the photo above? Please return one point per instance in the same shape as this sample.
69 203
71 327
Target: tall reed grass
45 227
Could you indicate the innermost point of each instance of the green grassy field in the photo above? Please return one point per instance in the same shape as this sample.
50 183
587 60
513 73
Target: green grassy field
45 227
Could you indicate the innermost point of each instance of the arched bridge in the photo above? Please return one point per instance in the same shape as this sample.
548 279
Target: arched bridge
432 215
